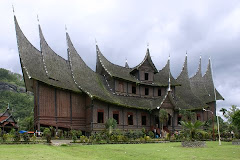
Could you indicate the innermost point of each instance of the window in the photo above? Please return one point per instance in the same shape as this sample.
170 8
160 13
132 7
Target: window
169 119
179 120
130 118
100 116
198 117
144 120
133 89
116 116
159 92
120 87
146 91
146 76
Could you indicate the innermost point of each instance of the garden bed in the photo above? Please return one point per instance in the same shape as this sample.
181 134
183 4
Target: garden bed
131 142
193 144
236 142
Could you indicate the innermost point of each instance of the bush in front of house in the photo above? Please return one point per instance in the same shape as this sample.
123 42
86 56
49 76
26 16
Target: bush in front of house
47 134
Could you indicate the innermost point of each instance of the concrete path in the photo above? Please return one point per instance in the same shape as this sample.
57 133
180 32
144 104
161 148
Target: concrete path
60 142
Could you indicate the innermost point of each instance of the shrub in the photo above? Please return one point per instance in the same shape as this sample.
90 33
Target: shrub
125 139
79 133
26 137
4 137
147 138
16 137
144 132
34 138
82 139
74 135
110 125
47 134
151 134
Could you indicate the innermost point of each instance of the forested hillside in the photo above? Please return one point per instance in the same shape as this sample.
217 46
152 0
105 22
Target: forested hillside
12 91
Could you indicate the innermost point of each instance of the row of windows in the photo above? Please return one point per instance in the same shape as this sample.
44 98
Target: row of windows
134 89
116 117
180 119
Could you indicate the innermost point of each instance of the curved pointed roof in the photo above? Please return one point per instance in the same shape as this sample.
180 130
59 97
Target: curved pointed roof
113 69
162 77
185 92
209 84
146 58
197 84
32 63
56 67
93 83
85 78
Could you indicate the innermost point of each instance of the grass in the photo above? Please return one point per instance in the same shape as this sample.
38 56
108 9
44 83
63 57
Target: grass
121 151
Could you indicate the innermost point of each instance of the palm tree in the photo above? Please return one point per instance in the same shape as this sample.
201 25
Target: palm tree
223 110
110 125
187 115
163 116
191 128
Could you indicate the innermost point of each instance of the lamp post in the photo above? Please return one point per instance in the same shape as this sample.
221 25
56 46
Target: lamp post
219 138
212 120
158 108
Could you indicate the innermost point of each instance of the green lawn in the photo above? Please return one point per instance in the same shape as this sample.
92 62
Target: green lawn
120 151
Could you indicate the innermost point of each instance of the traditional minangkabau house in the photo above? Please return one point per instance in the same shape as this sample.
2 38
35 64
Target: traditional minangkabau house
7 122
70 95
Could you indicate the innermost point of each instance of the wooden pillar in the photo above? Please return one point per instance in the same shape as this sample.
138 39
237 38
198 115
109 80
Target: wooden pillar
92 116
71 108
137 117
108 111
55 101
38 108
173 120
123 117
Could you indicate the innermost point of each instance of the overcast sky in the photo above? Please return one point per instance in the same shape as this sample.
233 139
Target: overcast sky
123 28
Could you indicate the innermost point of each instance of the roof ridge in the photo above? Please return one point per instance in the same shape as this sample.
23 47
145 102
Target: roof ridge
110 61
147 57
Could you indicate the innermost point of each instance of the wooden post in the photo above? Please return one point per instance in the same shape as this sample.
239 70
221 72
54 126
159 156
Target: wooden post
71 108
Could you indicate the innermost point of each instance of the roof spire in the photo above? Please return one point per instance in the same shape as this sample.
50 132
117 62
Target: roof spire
96 41
126 64
13 9
200 65
66 28
38 19
147 44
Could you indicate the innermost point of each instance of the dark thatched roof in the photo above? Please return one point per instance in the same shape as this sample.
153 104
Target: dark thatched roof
74 75
31 60
185 92
162 77
146 58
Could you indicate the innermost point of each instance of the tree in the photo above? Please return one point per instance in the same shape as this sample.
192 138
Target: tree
223 110
163 116
187 115
191 129
47 134
110 125
236 119
229 114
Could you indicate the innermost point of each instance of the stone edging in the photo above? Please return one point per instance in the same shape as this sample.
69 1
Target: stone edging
236 142
193 144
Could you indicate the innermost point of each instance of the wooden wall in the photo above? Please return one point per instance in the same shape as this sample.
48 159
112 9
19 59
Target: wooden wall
58 108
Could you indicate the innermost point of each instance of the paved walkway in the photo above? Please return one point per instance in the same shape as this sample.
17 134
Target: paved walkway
60 142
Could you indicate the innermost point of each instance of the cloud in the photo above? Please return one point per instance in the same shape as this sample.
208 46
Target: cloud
123 29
